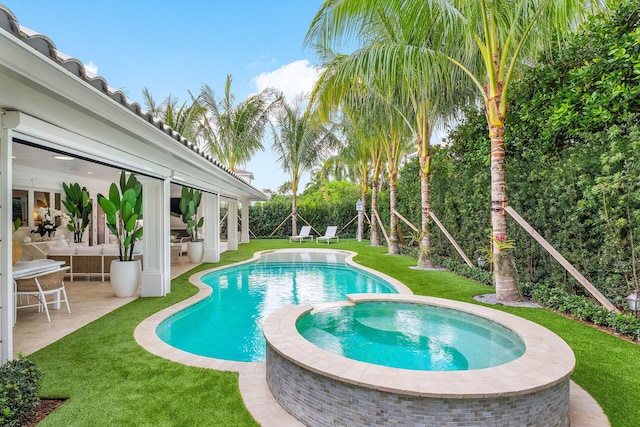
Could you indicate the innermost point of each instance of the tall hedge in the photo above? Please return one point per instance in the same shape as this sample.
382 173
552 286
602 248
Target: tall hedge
573 163
321 205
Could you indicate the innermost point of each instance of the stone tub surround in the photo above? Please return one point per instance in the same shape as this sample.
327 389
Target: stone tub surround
307 380
585 411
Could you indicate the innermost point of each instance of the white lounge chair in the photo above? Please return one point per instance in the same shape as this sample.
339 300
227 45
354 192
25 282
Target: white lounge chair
328 235
304 234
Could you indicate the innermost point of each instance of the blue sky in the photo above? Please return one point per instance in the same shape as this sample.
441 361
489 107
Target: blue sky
174 47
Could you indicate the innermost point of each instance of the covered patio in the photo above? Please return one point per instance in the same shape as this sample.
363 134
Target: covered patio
61 124
89 300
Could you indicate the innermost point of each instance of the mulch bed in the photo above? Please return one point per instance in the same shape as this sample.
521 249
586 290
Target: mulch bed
43 408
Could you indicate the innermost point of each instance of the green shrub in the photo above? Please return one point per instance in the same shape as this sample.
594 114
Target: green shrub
321 205
474 273
552 297
583 309
19 387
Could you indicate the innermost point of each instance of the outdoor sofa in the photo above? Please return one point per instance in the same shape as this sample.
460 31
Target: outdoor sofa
89 260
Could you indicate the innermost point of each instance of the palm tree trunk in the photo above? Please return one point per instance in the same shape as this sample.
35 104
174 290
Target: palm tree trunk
294 215
374 206
394 249
362 211
504 266
424 259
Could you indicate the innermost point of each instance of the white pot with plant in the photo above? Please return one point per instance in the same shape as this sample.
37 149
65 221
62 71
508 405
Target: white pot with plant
123 209
79 208
189 204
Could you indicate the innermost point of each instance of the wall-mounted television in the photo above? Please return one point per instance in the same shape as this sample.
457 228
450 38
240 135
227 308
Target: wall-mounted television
175 206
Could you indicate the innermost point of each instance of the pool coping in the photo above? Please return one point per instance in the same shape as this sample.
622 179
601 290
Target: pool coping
585 410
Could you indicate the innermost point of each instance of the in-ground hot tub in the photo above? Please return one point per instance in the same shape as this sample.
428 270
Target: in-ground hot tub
320 387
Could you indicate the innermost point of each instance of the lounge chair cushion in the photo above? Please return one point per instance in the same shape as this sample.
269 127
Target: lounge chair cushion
61 250
89 250
110 250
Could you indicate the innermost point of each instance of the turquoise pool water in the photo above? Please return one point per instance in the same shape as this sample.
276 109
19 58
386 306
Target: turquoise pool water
411 336
228 324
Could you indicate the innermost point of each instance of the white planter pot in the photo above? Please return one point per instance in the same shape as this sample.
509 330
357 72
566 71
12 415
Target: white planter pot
195 251
125 277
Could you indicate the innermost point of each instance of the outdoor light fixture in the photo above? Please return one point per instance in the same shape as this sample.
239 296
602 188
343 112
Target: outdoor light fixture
633 299
481 262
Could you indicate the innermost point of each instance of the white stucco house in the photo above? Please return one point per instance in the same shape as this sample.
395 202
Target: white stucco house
59 123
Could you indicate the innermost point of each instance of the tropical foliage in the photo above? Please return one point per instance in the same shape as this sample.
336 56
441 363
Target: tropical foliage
186 119
234 132
300 141
189 204
123 209
79 209
576 181
321 205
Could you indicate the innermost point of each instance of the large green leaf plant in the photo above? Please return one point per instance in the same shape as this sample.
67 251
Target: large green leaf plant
79 208
123 209
189 203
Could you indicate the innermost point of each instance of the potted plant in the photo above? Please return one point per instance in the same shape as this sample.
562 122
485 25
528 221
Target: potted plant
189 204
79 209
122 210
49 220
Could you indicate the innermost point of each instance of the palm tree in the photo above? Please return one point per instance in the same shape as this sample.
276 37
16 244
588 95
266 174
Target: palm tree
337 167
300 141
377 154
395 142
393 54
187 119
488 40
356 154
234 132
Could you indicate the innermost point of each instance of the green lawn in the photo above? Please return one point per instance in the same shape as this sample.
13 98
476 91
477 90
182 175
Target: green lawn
110 380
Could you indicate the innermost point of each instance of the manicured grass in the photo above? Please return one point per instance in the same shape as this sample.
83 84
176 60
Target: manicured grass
110 380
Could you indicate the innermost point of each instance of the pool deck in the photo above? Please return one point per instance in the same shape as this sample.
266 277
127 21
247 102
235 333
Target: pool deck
91 300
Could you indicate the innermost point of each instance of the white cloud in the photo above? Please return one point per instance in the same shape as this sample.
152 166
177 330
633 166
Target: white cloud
292 79
91 68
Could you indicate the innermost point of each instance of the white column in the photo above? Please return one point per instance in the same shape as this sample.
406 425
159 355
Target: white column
232 225
6 282
156 248
244 235
211 209
166 235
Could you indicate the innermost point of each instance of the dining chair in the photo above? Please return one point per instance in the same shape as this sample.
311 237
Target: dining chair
39 286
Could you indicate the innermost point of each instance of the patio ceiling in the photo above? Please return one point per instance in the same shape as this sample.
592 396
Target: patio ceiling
76 170
30 157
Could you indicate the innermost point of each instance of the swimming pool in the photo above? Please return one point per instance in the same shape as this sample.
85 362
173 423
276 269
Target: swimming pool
228 324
